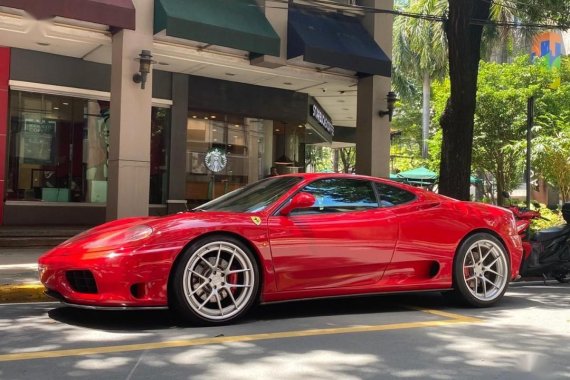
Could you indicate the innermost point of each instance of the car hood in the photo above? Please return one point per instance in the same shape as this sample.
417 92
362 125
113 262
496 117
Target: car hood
175 227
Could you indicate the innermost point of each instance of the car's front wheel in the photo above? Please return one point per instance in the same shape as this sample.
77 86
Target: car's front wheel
481 270
216 281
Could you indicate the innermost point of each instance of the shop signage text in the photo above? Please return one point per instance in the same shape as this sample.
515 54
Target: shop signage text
323 120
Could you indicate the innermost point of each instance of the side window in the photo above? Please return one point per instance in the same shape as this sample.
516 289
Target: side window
393 196
339 195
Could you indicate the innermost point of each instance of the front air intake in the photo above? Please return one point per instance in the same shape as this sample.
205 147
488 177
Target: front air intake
81 281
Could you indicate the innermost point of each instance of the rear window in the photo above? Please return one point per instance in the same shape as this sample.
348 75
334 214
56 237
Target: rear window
392 195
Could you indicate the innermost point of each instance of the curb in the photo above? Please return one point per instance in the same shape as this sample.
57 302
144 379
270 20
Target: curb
30 292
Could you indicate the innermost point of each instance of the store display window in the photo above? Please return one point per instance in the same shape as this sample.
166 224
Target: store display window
58 149
236 142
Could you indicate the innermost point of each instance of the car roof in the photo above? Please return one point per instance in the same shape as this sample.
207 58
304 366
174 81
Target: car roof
413 189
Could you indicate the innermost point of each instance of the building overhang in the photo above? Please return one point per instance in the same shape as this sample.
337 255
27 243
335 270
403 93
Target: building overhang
237 24
117 14
335 40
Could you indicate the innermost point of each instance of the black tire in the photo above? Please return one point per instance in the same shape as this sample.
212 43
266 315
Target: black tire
201 287
563 278
481 271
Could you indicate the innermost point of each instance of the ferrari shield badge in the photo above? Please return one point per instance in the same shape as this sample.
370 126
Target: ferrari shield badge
256 220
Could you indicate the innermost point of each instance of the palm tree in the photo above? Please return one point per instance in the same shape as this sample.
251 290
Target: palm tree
499 40
420 53
420 48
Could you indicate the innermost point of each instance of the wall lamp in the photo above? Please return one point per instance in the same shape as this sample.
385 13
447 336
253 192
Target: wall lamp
145 60
391 100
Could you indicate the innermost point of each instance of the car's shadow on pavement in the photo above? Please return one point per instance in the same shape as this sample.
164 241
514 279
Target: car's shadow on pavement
136 320
519 297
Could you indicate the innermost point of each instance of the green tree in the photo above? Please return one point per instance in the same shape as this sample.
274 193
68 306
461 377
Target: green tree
499 140
347 159
552 161
318 158
464 28
420 53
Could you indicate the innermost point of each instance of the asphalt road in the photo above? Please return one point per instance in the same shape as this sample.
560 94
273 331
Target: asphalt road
527 336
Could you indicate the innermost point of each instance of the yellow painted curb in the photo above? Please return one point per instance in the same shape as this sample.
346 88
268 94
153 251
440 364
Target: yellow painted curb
22 293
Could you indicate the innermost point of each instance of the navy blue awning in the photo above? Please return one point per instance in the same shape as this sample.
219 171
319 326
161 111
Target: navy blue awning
335 40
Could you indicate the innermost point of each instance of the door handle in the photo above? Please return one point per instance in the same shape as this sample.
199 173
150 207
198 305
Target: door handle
428 205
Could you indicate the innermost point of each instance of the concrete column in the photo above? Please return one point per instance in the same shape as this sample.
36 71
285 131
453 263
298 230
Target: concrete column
129 143
252 138
178 134
269 156
373 131
276 13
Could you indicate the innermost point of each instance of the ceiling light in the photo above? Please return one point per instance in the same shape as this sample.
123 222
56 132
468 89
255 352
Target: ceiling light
213 117
194 116
55 108
65 103
277 130
287 83
43 43
301 126
230 74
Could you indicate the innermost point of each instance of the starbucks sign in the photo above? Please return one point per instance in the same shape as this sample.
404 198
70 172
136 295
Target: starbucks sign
216 160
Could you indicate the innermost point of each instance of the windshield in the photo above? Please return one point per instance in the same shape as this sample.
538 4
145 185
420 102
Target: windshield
252 198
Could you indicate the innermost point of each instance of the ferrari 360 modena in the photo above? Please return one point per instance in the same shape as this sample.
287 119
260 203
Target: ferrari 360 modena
285 238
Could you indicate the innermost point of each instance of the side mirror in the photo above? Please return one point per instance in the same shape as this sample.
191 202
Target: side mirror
300 200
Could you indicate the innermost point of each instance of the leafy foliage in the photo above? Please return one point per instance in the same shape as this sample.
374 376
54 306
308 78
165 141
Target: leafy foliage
550 218
318 158
499 140
552 161
347 159
464 52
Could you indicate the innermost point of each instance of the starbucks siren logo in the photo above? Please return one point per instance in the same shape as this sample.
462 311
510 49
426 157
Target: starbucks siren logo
216 160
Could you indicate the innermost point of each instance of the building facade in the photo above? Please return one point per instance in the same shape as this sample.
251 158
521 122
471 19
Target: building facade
86 135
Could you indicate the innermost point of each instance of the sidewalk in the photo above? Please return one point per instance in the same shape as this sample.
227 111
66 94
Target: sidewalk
19 280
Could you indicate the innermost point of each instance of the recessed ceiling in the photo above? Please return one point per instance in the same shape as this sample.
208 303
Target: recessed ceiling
334 89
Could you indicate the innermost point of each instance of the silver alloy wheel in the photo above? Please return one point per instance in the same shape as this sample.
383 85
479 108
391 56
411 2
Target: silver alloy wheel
218 280
485 270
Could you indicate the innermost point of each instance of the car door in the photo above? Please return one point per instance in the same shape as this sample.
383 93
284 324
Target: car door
344 240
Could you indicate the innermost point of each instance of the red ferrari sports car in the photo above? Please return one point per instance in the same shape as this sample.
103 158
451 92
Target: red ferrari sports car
289 237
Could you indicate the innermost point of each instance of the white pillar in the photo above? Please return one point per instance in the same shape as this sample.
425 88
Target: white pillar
373 131
129 146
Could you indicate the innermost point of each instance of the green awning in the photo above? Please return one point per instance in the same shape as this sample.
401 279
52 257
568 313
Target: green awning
237 24
421 173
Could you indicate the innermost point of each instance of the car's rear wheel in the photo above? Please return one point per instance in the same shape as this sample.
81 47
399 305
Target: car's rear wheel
216 281
563 278
481 270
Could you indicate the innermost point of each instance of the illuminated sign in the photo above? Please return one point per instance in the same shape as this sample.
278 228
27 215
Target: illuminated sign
322 119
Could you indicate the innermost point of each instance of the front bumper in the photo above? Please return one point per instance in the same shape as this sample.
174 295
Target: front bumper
135 279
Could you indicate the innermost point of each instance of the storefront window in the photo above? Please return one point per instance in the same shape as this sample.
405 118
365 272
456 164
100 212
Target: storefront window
241 141
59 148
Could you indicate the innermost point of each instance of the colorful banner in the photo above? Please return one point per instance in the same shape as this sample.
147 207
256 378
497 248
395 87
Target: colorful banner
549 44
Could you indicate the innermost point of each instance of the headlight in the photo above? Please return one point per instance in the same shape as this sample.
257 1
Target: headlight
121 238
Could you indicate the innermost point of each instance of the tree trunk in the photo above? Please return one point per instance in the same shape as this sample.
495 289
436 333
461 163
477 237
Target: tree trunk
464 41
335 160
426 114
500 179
